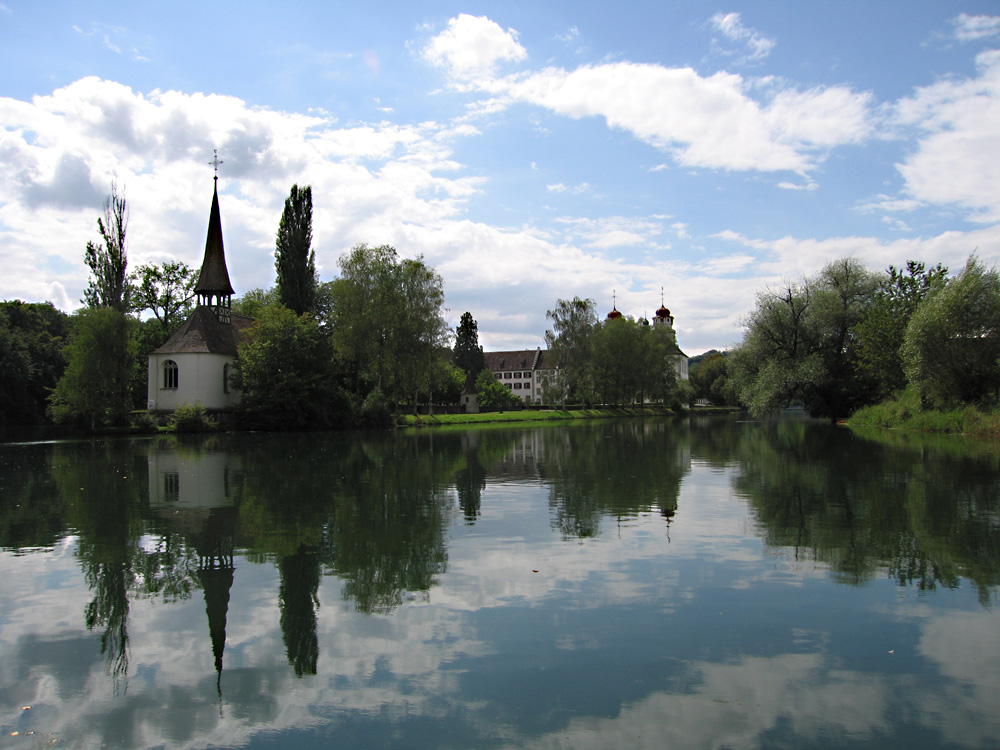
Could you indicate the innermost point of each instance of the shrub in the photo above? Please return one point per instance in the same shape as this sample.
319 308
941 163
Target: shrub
191 418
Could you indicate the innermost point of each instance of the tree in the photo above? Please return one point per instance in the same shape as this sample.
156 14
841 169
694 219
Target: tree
800 345
254 300
492 393
570 341
31 361
709 378
386 321
94 390
285 372
108 286
165 290
882 330
468 354
294 258
952 343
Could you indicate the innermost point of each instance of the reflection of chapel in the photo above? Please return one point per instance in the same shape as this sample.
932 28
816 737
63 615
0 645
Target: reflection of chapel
194 365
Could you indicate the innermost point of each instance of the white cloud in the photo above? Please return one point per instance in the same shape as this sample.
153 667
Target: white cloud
971 28
472 46
958 143
703 122
731 26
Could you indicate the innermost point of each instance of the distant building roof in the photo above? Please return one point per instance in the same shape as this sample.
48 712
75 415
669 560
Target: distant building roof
202 332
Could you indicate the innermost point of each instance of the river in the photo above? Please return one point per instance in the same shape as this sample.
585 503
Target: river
701 582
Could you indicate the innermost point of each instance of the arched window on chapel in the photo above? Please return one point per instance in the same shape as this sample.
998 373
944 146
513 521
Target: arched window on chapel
170 378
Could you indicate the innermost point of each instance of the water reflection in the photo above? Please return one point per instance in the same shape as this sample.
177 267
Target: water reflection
626 583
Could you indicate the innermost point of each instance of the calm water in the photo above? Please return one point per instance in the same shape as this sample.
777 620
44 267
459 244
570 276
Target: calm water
704 583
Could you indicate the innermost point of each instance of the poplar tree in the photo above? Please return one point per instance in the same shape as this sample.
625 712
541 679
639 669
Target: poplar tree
294 258
107 261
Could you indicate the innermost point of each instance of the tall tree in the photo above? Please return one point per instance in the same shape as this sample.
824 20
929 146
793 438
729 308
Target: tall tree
108 285
294 258
468 354
571 340
387 320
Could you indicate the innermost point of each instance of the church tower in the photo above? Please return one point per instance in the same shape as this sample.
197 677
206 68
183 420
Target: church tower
195 363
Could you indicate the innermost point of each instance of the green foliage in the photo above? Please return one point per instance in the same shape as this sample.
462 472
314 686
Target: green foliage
386 321
165 290
952 343
492 393
191 418
32 337
710 379
108 285
285 372
294 259
800 345
255 300
375 410
447 383
882 329
94 390
468 354
571 341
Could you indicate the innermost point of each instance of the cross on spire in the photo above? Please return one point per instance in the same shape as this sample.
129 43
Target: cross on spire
216 161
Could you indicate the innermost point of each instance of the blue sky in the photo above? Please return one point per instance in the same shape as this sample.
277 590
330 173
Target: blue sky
529 151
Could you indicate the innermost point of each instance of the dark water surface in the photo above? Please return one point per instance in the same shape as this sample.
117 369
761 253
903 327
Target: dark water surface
642 584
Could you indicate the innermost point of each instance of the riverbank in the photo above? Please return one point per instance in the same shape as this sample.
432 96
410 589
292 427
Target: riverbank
906 413
529 415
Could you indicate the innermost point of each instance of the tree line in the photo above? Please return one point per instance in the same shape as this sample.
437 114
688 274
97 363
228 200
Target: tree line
848 337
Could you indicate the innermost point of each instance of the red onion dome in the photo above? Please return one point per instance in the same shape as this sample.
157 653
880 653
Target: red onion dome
663 313
614 314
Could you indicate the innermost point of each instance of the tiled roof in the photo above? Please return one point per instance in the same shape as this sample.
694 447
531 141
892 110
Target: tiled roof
202 332
512 360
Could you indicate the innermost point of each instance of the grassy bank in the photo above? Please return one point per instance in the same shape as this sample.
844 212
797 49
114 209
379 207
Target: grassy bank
528 415
906 413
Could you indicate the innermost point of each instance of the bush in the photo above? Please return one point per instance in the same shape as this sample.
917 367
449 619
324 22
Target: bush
375 411
191 418
145 421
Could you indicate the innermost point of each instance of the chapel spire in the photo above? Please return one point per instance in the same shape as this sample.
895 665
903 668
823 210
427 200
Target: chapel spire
213 287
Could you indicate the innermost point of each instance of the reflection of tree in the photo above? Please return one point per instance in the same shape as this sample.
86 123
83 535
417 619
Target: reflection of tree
617 469
371 506
388 535
101 491
298 599
918 511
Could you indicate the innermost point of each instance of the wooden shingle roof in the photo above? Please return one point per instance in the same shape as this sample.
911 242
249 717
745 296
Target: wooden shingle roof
203 333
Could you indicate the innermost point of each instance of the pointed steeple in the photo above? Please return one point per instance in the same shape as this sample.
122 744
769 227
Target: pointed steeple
214 288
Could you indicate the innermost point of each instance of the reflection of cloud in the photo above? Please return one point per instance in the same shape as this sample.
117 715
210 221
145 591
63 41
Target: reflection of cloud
732 705
971 661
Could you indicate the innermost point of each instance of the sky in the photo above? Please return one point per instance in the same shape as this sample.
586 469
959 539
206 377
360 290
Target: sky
687 152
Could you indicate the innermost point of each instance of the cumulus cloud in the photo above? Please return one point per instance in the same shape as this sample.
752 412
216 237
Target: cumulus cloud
472 46
702 121
958 143
731 26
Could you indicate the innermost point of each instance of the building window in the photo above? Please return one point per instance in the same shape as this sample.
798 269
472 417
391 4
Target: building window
508 375
170 378
171 486
225 378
